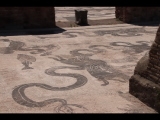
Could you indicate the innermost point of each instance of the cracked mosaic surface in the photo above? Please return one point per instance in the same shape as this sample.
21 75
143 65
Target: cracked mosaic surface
81 70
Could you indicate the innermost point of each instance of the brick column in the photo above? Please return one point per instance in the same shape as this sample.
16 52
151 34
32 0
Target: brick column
145 83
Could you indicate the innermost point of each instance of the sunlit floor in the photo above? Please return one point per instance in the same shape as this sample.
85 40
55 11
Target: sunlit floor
80 70
94 13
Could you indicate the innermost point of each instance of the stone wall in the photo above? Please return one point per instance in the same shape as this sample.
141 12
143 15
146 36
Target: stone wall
137 14
119 13
44 17
145 83
27 17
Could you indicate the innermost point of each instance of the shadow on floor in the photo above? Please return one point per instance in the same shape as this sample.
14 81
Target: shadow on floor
84 24
152 23
15 32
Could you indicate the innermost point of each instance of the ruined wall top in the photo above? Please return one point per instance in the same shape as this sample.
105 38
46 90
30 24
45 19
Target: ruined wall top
27 17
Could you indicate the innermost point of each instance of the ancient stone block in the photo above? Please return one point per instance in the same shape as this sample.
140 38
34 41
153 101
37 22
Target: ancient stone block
145 83
145 90
81 17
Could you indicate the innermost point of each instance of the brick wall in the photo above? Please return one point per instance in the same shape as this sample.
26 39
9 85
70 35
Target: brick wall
137 14
153 69
152 72
44 17
119 13
145 83
27 17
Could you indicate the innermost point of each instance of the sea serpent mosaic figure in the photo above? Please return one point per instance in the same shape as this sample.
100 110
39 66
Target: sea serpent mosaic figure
18 93
21 46
19 96
97 68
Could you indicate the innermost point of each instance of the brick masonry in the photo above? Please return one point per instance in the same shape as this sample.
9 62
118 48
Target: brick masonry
145 83
137 14
44 17
27 17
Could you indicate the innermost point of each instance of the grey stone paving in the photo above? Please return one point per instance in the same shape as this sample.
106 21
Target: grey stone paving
80 70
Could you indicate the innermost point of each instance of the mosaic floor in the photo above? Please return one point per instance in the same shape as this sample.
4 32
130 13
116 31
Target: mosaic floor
80 70
94 13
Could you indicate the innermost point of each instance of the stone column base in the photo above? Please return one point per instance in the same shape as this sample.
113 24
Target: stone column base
146 91
81 17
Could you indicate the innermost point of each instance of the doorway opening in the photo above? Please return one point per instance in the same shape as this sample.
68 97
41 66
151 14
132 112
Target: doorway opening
65 16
